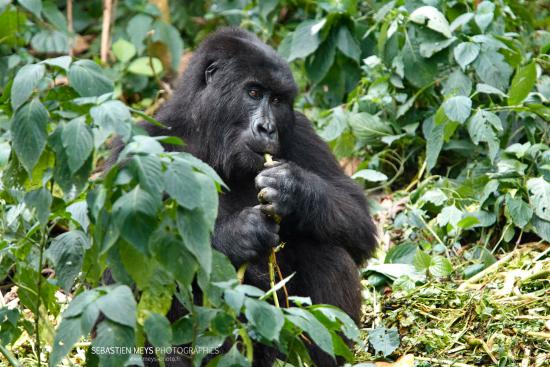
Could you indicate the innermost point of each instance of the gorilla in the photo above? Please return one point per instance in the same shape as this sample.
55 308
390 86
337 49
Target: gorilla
234 103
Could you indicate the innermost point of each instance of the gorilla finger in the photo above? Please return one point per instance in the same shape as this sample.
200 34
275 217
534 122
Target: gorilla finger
267 195
273 163
264 181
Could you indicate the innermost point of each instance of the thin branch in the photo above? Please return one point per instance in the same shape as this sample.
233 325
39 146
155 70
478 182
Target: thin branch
105 32
70 28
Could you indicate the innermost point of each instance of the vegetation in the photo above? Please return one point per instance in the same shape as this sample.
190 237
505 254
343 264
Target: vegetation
439 108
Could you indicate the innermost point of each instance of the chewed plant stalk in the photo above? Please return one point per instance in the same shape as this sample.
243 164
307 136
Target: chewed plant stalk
272 262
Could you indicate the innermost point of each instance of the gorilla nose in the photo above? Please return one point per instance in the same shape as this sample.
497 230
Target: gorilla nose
265 130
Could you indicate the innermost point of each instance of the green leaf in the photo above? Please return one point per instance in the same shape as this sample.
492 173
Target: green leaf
170 36
465 53
449 215
146 66
266 319
422 261
50 41
25 81
304 39
54 16
484 127
124 50
39 200
384 341
318 65
113 335
432 18
87 78
484 15
520 212
457 83
67 253
313 327
539 196
118 305
135 214
522 83
418 70
28 128
137 30
233 358
149 171
368 128
461 20
492 69
182 185
158 330
458 108
370 175
62 62
34 6
347 43
113 116
440 267
195 231
78 142
428 49
487 89
66 335
433 133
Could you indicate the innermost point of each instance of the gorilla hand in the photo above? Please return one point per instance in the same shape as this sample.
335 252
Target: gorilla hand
285 187
248 236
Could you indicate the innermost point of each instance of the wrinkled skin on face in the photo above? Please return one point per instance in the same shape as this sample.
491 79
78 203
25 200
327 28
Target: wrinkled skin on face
233 105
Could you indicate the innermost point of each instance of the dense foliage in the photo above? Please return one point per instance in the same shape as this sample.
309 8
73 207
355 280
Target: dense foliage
442 104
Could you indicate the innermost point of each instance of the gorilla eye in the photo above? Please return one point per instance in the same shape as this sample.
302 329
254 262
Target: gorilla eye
254 93
275 100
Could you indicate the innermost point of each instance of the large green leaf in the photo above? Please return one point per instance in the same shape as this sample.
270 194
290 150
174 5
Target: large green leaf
118 305
539 196
87 78
457 83
305 40
320 62
266 319
25 81
315 329
484 126
158 330
66 335
148 66
520 212
50 41
28 128
195 231
522 83
347 43
432 18
458 108
384 341
112 335
433 133
123 50
78 142
182 185
113 116
484 15
40 200
34 6
465 53
67 253
492 69
369 128
170 36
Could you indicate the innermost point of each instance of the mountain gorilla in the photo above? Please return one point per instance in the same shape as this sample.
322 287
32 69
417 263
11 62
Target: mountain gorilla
233 104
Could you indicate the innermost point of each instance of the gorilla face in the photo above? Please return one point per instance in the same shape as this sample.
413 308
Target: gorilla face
245 103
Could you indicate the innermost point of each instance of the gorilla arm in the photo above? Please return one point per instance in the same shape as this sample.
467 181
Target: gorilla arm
310 192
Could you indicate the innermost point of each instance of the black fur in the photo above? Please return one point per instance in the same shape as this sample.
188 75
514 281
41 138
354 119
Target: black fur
325 220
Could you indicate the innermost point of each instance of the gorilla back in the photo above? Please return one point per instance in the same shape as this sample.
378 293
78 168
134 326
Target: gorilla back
233 104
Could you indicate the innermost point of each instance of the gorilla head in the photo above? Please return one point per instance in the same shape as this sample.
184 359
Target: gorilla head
239 94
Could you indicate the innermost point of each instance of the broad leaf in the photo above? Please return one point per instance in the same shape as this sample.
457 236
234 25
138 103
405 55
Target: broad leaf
304 40
146 66
67 253
384 341
25 81
539 196
28 128
78 142
522 83
157 328
520 212
432 18
87 78
492 69
458 108
465 53
266 319
484 15
484 126
347 43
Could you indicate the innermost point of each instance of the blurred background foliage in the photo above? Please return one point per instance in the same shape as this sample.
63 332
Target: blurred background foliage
439 108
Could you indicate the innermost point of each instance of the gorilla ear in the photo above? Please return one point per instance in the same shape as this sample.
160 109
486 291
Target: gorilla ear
209 72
